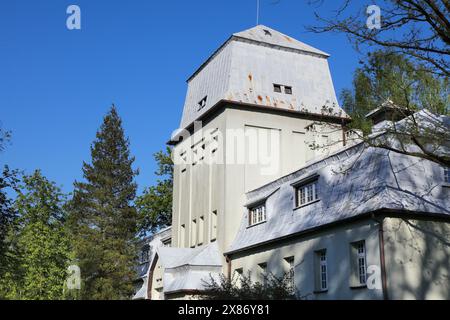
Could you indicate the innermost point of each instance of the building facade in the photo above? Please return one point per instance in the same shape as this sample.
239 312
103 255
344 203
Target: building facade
261 186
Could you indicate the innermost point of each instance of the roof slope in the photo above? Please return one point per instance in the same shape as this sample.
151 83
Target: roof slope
270 36
189 268
245 69
352 182
201 256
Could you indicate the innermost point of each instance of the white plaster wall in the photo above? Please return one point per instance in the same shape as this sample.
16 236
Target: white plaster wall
417 259
256 68
337 242
204 188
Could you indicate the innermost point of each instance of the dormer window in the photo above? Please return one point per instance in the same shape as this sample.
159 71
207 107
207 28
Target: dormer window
257 214
306 192
202 103
278 88
288 90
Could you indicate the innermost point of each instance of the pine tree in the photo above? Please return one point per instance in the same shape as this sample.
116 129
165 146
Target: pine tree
102 217
41 246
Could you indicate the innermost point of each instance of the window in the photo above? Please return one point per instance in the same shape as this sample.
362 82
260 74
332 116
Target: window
215 143
359 267
290 276
279 88
238 276
202 103
182 235
145 254
263 273
447 175
201 231
193 233
306 193
321 270
213 226
167 242
257 215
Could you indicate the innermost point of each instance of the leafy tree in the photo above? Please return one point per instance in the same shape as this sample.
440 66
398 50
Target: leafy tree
5 136
8 217
390 78
243 288
41 242
102 217
155 204
418 29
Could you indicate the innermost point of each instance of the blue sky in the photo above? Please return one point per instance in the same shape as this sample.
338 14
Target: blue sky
56 85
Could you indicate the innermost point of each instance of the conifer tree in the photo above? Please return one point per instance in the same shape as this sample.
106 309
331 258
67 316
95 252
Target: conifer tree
102 217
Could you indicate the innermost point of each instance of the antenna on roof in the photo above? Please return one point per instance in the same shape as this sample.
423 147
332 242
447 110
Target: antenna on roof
257 12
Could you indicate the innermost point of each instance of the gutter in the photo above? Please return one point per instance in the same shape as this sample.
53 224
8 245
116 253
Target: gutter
228 260
225 103
358 217
382 257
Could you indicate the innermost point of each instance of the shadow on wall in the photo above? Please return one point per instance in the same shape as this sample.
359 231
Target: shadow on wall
418 255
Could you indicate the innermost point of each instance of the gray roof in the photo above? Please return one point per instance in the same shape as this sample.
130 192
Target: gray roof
246 67
189 268
376 179
263 34
207 255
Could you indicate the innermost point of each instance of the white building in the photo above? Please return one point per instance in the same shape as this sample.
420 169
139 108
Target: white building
147 253
251 194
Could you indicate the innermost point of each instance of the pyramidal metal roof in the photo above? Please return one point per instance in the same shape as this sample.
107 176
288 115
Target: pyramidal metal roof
264 35
267 35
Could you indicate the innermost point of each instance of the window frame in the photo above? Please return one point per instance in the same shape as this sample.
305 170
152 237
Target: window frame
239 274
202 103
290 262
201 230
213 231
323 263
263 272
322 280
306 192
358 264
277 87
447 176
256 216
288 88
193 233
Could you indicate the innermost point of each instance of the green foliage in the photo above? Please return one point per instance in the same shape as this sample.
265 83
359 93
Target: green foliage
155 204
8 217
391 76
243 288
5 136
40 242
102 217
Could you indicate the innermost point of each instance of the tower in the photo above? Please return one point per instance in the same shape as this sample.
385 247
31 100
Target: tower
252 112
